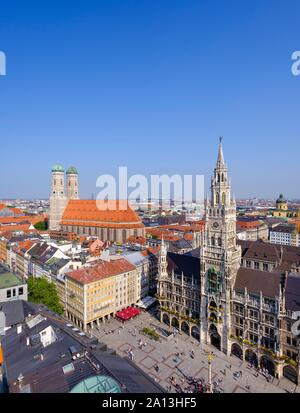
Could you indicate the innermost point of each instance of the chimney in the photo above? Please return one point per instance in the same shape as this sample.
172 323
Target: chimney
19 329
27 341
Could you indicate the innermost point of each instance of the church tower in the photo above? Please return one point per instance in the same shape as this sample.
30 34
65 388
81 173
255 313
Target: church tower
220 259
58 200
72 189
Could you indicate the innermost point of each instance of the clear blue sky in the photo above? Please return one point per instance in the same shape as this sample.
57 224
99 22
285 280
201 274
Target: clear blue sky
150 84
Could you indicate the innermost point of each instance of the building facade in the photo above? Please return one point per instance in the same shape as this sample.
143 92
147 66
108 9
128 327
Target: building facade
11 287
282 209
96 293
285 235
242 298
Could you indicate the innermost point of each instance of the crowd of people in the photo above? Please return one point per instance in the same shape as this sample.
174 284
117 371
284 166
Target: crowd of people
193 385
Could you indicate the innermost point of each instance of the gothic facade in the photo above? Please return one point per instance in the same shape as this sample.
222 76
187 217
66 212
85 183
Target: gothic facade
217 297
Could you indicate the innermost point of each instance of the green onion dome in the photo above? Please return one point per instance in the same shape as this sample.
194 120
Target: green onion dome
57 168
72 170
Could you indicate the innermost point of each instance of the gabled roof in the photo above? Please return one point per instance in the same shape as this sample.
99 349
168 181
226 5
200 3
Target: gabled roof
38 249
256 281
102 213
47 254
283 256
188 265
101 270
292 292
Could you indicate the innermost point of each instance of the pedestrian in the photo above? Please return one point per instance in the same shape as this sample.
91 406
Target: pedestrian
230 366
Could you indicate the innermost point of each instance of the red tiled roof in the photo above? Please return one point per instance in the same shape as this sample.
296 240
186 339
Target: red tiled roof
5 229
24 246
101 270
137 240
109 214
30 218
150 251
16 211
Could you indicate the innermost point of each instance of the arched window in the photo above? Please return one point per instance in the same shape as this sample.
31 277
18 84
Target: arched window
218 177
223 198
212 241
220 242
217 198
222 177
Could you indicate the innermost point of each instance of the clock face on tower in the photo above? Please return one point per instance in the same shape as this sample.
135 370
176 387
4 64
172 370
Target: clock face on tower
216 225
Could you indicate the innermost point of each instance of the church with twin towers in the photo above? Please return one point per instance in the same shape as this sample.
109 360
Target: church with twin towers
83 217
62 190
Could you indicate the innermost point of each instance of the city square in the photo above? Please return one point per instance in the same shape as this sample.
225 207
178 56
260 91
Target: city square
125 336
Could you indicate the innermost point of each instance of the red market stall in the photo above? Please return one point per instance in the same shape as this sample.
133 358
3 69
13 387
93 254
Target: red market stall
128 313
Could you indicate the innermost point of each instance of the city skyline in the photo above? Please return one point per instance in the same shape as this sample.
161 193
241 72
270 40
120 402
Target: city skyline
102 86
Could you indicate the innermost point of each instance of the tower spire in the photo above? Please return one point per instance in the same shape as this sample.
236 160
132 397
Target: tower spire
220 161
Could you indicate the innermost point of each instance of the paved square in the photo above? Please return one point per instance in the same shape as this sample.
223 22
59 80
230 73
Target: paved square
163 353
148 362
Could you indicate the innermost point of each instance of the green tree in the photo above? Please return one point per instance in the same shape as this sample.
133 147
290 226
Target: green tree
41 291
41 226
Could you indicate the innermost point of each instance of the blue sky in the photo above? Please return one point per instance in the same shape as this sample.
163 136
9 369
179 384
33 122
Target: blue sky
151 85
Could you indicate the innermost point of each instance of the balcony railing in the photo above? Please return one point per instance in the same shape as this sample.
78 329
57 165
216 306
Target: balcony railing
253 303
269 307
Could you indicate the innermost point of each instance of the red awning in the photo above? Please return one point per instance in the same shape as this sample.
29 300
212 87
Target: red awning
128 313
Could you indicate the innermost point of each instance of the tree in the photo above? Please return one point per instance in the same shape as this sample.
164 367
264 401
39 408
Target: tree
41 226
41 291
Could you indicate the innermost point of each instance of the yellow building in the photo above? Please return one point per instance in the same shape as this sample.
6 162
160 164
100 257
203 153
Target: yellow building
96 293
282 209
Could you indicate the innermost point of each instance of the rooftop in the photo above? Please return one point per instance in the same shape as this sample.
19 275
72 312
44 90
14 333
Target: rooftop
101 270
256 281
101 213
7 279
63 365
57 168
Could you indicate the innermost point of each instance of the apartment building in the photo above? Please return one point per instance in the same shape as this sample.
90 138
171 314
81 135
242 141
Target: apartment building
96 293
